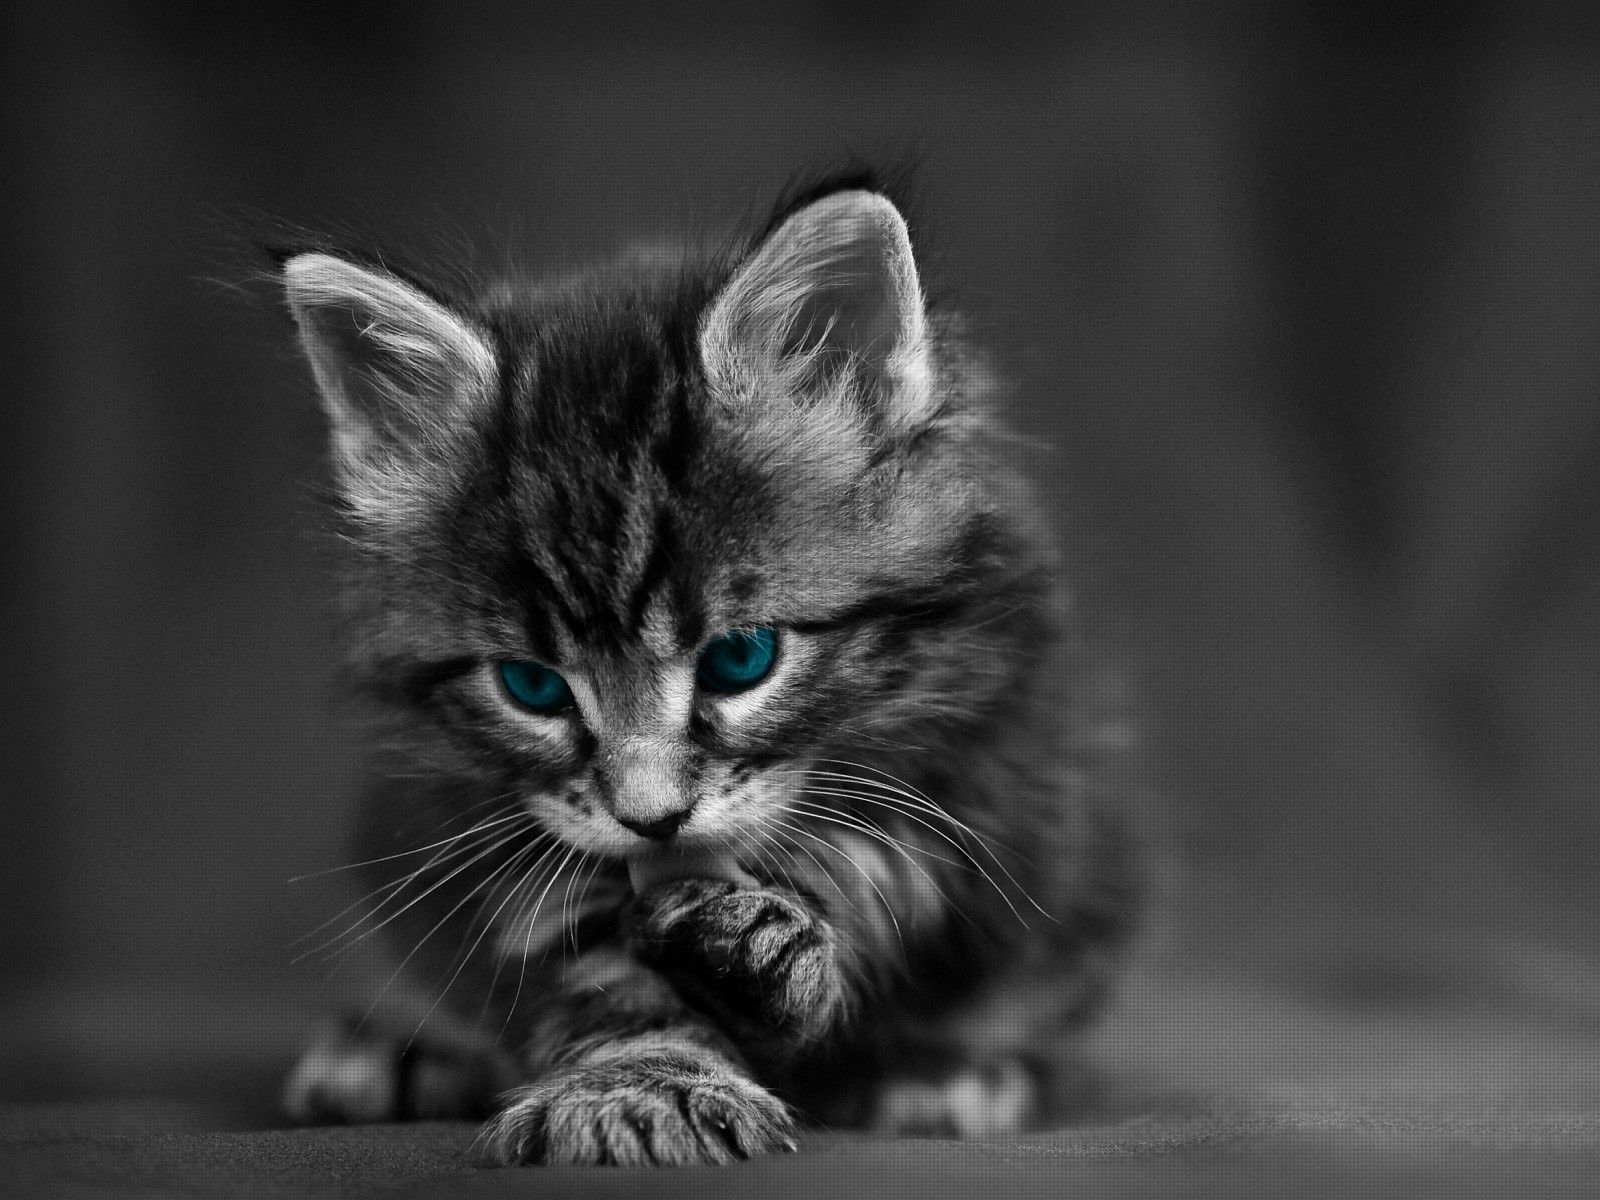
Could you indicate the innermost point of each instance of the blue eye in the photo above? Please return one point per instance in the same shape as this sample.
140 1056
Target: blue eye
737 661
535 687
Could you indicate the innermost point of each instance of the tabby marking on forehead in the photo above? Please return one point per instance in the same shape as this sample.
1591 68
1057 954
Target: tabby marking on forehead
658 631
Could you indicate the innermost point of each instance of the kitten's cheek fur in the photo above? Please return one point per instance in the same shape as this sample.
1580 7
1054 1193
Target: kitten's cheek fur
759 961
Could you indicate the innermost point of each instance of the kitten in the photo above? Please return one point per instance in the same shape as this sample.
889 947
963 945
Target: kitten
743 760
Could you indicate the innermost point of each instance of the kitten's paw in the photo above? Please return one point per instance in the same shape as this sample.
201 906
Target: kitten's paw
975 1100
661 1107
355 1076
746 953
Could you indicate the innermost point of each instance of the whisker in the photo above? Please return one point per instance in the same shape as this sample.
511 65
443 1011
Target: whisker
566 902
469 840
510 869
523 892
971 864
457 843
404 853
578 908
531 880
527 942
914 795
928 804
756 852
965 865
877 832
782 841
412 953
862 871
495 846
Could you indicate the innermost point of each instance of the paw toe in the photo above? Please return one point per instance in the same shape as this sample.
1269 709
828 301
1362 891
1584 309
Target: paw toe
515 1136
644 1114
731 1125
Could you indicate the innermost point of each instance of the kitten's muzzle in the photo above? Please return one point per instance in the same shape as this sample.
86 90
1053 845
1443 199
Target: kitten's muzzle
640 780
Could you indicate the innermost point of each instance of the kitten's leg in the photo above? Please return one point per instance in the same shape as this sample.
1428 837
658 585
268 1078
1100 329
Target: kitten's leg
626 1073
994 1067
951 1093
762 962
356 1074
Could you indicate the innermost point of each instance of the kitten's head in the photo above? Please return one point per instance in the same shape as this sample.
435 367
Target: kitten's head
653 551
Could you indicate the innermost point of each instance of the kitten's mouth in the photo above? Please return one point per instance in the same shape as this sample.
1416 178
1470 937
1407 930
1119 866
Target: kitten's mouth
659 863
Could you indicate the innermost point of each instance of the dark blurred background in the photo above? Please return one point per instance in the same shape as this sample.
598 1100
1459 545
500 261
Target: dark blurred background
1302 313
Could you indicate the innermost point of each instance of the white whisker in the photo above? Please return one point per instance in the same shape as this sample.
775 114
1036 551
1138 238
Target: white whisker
510 869
522 892
404 853
970 864
527 943
412 953
862 871
962 864
493 847
917 798
878 833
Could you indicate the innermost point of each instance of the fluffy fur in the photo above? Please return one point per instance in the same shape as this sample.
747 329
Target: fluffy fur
932 859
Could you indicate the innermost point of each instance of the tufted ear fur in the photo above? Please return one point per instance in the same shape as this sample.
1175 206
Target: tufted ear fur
830 299
398 372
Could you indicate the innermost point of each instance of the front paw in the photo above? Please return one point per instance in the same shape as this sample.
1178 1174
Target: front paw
960 1099
659 1106
354 1075
758 959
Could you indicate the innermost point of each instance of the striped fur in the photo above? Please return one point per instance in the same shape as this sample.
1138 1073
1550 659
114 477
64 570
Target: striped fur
924 790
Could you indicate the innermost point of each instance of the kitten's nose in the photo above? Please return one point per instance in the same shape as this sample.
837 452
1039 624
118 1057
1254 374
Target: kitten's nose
661 828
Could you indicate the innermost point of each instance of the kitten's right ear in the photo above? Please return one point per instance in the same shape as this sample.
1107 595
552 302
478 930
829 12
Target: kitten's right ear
398 371
830 296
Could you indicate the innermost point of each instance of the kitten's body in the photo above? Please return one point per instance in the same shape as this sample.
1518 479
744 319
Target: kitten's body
924 859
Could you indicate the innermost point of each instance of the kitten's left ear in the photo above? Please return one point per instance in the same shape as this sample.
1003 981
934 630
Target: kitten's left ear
831 294
398 372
